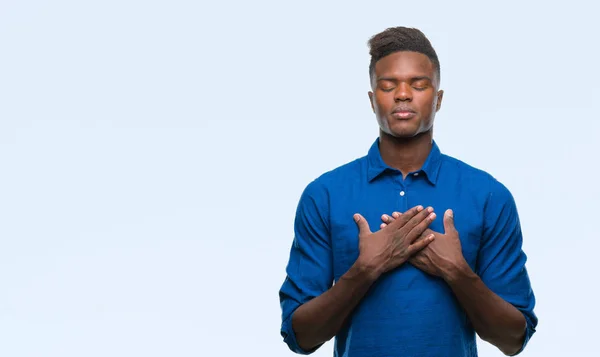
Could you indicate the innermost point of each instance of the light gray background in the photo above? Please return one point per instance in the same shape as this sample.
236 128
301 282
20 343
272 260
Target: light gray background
152 155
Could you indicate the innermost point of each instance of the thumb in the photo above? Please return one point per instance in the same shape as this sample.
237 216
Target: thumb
449 221
363 225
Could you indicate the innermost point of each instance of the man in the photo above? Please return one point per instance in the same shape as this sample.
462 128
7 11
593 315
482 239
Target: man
420 285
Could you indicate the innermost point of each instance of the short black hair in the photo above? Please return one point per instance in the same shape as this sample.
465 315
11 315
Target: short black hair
395 39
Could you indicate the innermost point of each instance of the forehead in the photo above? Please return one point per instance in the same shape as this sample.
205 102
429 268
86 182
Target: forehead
404 64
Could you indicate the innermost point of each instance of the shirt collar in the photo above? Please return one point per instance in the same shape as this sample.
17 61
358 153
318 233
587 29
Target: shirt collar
376 166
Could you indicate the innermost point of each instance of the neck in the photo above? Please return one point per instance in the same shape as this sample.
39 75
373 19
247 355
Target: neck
405 154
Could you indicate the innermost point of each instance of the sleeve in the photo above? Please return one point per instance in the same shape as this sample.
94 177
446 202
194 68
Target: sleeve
309 271
501 260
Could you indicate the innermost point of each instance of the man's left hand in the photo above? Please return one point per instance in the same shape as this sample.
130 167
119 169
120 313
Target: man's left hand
443 257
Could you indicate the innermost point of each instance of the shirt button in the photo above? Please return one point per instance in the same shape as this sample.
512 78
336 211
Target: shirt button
416 174
401 193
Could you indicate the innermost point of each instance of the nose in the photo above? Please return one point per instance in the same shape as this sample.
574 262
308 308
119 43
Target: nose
403 93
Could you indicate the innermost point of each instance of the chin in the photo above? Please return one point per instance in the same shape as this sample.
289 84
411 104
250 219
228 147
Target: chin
403 130
407 129
404 135
399 133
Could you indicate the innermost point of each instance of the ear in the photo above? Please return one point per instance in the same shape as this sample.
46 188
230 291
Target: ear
440 96
371 100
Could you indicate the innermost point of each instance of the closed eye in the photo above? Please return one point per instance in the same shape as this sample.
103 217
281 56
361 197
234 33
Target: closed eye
421 84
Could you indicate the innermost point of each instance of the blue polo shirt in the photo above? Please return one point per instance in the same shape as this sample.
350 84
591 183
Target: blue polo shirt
406 312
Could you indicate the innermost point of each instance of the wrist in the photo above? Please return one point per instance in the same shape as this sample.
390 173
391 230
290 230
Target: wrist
368 271
457 272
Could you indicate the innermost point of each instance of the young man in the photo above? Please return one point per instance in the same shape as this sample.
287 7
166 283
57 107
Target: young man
421 285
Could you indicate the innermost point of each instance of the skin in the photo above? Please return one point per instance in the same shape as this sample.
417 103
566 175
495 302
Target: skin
495 320
408 80
318 320
405 80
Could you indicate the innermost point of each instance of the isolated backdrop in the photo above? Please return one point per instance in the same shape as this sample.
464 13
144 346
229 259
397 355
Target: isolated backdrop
152 154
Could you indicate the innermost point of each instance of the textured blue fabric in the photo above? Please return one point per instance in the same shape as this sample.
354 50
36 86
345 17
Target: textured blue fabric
406 312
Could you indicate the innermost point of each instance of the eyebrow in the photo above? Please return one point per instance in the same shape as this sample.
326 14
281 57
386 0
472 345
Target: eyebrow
413 79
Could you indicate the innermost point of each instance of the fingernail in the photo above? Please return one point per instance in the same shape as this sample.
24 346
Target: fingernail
429 209
432 216
419 208
449 213
356 218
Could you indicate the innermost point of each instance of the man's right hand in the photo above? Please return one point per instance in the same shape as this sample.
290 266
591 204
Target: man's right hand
394 244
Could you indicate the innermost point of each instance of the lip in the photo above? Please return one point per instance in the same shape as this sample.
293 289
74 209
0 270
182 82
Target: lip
403 113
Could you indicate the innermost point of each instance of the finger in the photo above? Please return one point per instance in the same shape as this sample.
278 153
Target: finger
449 221
389 219
416 259
425 217
363 225
386 219
407 216
424 235
420 244
383 225
419 224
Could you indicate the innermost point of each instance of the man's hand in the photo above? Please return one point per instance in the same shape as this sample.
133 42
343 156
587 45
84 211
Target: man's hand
494 319
443 257
394 244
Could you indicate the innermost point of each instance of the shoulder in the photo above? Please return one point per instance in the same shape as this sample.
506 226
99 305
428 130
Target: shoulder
470 174
465 170
479 183
337 177
315 203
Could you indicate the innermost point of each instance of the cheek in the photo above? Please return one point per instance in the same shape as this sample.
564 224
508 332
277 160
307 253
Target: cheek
382 105
433 105
427 103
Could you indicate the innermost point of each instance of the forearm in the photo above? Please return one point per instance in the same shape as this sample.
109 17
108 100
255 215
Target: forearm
495 320
318 320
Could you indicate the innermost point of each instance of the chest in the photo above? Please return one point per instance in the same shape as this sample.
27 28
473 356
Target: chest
374 200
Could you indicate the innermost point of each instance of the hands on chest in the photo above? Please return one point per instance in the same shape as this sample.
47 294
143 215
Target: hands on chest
407 237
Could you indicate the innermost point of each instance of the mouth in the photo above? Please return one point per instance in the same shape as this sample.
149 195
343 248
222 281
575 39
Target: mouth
403 113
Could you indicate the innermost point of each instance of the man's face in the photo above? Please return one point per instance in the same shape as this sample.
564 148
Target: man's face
405 94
